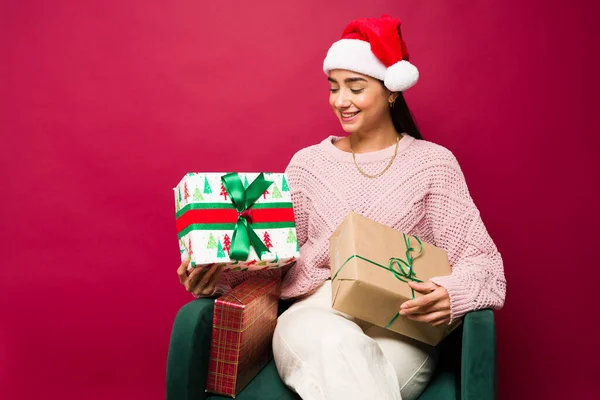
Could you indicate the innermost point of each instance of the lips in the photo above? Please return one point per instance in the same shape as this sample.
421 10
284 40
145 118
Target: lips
347 117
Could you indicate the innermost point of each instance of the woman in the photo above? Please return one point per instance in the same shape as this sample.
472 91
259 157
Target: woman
384 171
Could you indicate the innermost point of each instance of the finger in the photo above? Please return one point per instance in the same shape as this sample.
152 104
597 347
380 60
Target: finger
429 317
204 281
438 297
182 271
208 290
433 307
215 276
420 302
201 291
193 279
212 273
210 286
443 321
423 287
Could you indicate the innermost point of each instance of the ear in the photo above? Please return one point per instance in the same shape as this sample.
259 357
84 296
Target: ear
393 97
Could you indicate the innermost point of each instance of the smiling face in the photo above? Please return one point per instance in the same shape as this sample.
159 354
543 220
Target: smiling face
360 102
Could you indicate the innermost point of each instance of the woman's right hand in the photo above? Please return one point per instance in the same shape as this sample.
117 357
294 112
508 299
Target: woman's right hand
199 281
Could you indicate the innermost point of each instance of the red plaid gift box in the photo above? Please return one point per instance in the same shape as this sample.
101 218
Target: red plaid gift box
243 324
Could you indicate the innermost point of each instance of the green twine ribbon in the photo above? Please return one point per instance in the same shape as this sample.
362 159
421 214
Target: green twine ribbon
243 199
400 269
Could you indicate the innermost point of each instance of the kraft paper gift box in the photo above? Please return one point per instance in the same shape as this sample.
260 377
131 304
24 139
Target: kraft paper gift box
370 267
240 221
243 324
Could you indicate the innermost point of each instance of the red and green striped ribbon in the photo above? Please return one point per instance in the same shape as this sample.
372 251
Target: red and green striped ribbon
222 216
242 216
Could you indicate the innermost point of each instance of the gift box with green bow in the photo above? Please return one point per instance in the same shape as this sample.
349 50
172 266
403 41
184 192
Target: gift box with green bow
242 221
371 265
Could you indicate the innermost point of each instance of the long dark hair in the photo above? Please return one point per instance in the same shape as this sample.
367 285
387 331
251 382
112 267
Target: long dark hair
403 119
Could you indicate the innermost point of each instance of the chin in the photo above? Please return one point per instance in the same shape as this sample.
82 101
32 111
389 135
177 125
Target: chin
350 128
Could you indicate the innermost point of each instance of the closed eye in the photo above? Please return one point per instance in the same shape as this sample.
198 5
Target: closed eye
355 91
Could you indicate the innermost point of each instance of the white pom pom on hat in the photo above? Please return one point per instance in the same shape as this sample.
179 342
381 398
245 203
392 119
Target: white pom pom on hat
401 76
374 47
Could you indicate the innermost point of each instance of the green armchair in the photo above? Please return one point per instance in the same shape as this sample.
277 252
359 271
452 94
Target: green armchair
466 368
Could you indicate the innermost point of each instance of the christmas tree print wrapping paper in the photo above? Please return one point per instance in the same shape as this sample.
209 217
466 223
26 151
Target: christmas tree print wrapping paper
208 216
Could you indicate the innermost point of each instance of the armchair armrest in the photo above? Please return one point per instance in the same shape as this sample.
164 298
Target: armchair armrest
478 366
187 363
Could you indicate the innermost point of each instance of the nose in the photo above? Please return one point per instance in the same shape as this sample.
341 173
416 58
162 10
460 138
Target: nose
342 100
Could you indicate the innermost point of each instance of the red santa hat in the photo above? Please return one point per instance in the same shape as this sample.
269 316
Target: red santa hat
374 47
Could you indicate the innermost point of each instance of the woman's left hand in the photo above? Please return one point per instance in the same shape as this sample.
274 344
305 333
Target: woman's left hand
433 307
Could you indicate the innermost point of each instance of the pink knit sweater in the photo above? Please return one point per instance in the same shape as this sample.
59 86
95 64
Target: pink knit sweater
424 193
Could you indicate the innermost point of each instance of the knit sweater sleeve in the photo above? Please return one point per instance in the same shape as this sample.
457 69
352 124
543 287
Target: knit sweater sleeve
295 173
477 280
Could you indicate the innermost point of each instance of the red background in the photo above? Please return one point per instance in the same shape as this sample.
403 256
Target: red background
106 104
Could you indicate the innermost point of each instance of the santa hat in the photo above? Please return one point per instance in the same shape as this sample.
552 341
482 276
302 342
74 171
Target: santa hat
374 47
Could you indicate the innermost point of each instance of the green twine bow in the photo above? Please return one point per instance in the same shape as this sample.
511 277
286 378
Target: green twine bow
400 269
242 199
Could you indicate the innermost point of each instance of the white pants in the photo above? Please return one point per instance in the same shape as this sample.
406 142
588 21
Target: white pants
323 354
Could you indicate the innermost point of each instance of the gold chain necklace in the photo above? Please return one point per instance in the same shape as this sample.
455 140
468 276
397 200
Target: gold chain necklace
384 170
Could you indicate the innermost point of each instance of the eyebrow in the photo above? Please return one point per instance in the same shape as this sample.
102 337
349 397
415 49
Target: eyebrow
348 80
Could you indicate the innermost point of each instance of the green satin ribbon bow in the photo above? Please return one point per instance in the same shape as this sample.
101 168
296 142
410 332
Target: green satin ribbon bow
403 274
400 269
242 200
